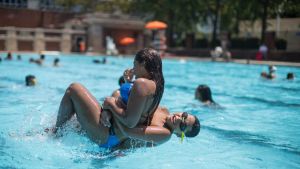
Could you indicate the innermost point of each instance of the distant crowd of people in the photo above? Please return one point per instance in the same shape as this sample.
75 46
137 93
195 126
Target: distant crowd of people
133 111
222 53
30 80
262 54
271 74
39 61
97 61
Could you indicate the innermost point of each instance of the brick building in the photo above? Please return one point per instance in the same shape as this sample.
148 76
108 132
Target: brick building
32 25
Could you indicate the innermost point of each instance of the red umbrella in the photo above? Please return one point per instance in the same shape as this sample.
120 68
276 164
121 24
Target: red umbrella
156 25
127 41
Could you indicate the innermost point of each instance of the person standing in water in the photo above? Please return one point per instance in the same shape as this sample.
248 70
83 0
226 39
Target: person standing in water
79 100
144 98
145 94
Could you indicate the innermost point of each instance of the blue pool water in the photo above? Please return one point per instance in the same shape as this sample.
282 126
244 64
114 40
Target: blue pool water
258 126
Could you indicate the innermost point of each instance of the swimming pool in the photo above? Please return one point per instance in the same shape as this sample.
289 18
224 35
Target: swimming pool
258 126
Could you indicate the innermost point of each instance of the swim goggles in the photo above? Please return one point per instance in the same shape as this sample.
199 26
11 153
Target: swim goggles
183 125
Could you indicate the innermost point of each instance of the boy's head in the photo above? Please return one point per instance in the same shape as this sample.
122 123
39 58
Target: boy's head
30 80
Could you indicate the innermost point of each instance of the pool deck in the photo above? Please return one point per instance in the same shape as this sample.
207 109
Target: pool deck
240 61
277 63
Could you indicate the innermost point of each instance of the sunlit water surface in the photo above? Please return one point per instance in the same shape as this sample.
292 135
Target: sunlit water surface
258 126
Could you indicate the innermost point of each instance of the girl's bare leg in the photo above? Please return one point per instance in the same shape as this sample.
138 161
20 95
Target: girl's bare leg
79 100
66 109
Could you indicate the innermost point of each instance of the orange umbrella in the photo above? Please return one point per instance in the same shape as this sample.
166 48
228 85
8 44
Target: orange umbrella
156 25
127 41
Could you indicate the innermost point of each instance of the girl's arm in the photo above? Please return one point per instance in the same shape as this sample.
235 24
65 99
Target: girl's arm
137 103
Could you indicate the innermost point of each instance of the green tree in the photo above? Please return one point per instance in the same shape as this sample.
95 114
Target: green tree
234 11
182 17
272 8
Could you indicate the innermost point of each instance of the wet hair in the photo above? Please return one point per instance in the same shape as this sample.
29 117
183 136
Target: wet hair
290 75
28 79
152 61
272 68
205 93
104 60
195 129
9 56
56 60
263 74
121 80
96 61
42 56
31 60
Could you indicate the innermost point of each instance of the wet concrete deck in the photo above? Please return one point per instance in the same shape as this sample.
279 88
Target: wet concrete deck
241 61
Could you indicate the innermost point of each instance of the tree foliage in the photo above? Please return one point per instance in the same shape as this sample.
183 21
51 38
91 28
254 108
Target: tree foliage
183 16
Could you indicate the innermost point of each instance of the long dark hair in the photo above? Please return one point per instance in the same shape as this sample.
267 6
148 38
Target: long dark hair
205 93
152 61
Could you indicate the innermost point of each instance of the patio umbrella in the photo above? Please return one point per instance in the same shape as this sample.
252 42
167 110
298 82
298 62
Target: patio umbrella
156 25
127 41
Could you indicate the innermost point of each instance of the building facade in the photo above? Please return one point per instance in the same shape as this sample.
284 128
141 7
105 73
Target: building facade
283 28
24 27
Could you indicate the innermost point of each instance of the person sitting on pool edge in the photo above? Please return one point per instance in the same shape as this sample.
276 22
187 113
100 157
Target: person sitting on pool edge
203 94
88 113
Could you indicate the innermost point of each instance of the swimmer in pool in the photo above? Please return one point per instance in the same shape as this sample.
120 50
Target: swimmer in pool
145 94
30 80
144 98
56 62
271 74
290 76
41 60
203 94
79 100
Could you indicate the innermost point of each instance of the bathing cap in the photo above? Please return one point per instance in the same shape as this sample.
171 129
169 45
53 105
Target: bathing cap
272 68
125 91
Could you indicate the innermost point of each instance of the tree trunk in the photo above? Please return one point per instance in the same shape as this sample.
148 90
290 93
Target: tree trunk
170 30
264 20
215 23
236 28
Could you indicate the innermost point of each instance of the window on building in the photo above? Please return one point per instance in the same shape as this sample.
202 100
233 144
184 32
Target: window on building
13 3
